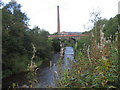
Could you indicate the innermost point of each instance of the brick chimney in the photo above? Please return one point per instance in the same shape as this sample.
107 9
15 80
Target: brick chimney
58 20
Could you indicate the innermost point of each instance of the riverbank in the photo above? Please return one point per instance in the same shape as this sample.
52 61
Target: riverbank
18 78
21 78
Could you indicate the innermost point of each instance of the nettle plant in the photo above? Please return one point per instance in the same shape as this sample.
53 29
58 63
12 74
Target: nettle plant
104 60
96 63
97 66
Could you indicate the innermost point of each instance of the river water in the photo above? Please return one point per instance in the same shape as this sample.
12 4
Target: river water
46 75
68 57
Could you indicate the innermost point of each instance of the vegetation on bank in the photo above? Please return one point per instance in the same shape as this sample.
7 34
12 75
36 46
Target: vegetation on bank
97 58
97 61
17 40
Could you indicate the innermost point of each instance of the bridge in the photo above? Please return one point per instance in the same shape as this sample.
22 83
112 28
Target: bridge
76 36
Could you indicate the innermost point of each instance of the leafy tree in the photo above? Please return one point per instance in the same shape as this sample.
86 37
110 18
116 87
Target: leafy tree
111 27
13 34
56 45
40 39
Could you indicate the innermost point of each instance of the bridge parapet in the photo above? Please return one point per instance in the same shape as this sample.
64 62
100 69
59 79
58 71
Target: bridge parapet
67 36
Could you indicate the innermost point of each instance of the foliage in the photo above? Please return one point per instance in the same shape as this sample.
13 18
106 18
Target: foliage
56 45
111 27
69 42
82 42
97 61
17 39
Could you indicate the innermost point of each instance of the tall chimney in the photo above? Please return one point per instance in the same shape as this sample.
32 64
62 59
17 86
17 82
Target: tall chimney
58 20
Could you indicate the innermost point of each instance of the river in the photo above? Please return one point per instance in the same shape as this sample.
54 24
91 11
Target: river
68 57
45 74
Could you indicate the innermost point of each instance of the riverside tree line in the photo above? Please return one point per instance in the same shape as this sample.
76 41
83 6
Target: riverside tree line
17 40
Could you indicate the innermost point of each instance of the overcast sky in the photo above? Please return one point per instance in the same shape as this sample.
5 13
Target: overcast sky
74 14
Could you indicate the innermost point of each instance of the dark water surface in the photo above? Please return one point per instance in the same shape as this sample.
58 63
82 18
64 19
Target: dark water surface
20 78
45 74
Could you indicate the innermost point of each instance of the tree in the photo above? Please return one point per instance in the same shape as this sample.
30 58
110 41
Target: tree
111 27
13 35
